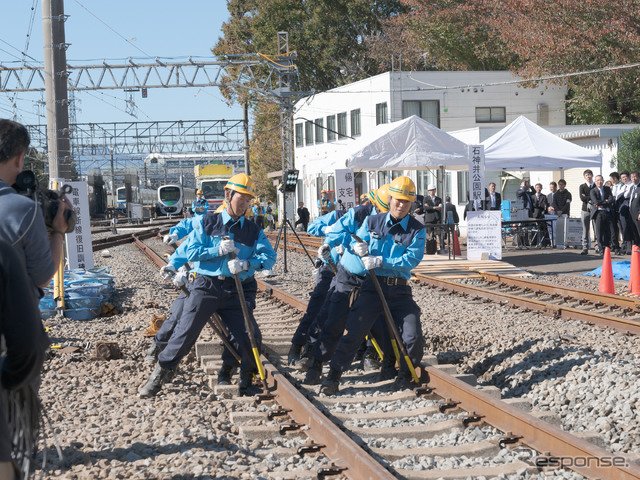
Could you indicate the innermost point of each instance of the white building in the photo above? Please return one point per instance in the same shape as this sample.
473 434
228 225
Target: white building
325 124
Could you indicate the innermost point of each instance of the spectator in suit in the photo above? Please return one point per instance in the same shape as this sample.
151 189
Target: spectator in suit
561 202
433 211
627 227
303 216
585 197
634 204
602 201
553 188
525 193
538 202
617 190
493 199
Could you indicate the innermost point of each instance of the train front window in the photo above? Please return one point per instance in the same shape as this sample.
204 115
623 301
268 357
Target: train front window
213 189
122 194
170 194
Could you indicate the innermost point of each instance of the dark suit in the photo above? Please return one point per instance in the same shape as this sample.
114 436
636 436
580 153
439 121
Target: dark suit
487 202
634 208
432 215
601 215
525 195
585 214
539 205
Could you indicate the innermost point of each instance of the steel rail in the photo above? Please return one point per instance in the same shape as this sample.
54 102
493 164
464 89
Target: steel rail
558 311
338 446
595 297
115 240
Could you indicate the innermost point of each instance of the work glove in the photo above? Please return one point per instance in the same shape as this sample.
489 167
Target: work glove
370 262
361 249
324 252
236 266
328 229
183 269
181 279
167 271
339 249
170 238
226 246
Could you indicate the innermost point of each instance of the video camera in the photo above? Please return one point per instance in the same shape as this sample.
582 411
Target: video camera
49 200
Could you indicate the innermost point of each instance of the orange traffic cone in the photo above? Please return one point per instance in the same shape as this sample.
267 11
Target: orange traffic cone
606 275
456 244
633 279
634 282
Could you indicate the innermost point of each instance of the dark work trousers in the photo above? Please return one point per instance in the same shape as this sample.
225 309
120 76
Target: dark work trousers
209 295
365 317
316 300
603 229
615 244
346 283
629 232
318 323
260 221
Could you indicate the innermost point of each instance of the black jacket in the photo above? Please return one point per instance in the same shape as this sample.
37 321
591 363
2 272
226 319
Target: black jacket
539 205
585 195
605 201
432 215
487 202
561 201
525 194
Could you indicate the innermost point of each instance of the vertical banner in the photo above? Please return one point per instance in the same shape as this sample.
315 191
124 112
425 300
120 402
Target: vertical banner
79 248
345 189
476 175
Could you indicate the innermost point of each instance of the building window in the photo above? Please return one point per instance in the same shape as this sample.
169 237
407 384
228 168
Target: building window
428 110
319 130
424 178
342 125
331 128
383 177
355 123
359 179
491 114
308 133
463 187
299 137
381 113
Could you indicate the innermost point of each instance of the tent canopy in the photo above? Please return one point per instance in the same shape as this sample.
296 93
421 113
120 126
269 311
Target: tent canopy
409 144
523 145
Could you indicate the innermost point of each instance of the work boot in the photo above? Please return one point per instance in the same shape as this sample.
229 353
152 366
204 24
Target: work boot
246 388
331 384
158 377
404 380
294 354
302 365
224 374
152 354
314 374
370 362
388 370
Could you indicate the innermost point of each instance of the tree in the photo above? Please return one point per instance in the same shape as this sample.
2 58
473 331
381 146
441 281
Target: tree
628 157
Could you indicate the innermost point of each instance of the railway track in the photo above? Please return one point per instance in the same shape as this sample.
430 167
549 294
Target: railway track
447 428
607 311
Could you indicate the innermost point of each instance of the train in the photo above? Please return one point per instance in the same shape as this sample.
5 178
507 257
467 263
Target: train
167 199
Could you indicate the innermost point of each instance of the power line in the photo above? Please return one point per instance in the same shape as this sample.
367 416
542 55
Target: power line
112 29
30 27
18 50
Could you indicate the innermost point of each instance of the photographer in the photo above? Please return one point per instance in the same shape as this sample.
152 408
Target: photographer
22 222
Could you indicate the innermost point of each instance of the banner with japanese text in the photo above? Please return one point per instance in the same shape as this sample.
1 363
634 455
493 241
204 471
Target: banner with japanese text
79 248
476 175
345 189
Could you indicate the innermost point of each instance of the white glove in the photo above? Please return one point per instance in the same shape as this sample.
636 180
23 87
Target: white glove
371 262
167 271
183 269
339 249
324 252
226 245
180 279
361 249
170 238
236 266
328 228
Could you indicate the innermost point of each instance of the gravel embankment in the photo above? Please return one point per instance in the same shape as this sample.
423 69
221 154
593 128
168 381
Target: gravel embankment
587 375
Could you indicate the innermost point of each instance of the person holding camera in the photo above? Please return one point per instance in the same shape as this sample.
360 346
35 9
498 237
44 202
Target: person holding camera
22 223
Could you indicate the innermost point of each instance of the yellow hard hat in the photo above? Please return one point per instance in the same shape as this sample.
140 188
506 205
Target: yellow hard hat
372 196
403 188
363 196
382 198
198 192
241 183
323 191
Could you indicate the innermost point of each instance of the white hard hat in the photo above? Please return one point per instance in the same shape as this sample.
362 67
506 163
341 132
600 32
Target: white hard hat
431 186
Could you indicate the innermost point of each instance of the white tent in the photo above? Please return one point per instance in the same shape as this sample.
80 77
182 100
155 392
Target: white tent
409 144
523 145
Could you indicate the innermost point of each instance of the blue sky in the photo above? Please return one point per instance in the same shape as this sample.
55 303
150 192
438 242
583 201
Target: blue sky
122 29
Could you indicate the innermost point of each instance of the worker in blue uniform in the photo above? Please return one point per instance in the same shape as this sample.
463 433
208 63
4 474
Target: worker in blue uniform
324 276
393 244
347 282
214 290
200 204
324 204
185 226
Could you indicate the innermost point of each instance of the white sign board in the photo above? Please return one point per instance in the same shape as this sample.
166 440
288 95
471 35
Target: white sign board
484 234
79 248
345 189
476 175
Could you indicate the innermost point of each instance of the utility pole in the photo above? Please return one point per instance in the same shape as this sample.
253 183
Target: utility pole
245 147
55 73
